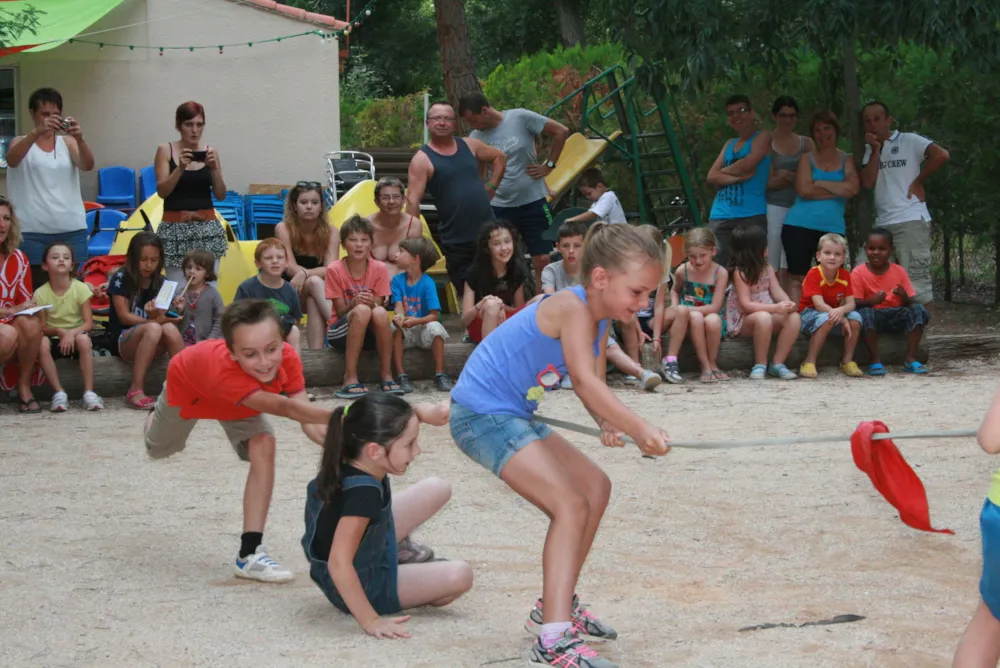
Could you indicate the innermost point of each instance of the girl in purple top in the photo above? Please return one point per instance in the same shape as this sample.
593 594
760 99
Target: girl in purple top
492 421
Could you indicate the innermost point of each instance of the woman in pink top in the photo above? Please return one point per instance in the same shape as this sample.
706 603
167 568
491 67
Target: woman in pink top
884 297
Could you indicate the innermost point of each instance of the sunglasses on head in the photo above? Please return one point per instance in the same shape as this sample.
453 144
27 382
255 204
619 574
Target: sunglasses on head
309 184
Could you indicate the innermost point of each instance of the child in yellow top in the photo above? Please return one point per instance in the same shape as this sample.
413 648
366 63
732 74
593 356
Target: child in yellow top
66 326
980 645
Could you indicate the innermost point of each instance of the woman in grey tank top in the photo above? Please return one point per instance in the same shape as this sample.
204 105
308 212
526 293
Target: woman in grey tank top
786 149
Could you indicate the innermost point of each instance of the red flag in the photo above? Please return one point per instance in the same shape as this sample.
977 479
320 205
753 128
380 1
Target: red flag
892 476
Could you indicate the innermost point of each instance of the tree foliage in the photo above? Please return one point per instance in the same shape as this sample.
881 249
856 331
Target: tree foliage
694 40
14 24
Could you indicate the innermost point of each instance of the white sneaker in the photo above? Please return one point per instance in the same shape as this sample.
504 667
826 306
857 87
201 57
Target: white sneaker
260 566
60 403
92 402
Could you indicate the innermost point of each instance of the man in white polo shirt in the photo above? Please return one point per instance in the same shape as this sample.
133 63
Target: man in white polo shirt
896 165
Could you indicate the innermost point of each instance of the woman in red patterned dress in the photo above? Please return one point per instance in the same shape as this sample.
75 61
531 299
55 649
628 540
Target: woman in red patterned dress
20 335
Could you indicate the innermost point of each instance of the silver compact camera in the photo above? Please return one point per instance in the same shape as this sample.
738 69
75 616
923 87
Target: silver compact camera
65 124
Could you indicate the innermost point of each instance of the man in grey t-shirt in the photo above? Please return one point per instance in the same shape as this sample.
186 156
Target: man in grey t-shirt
521 197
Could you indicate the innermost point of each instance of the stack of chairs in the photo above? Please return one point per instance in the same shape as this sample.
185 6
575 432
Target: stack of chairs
232 209
263 213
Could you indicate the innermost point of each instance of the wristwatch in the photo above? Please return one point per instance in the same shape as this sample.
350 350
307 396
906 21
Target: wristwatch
550 164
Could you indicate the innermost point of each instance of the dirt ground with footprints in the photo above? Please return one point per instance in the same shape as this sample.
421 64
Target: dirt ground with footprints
110 559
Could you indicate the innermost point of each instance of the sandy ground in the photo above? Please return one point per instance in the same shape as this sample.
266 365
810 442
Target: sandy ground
110 559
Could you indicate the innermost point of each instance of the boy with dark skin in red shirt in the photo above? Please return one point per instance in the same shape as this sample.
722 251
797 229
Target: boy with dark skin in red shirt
234 380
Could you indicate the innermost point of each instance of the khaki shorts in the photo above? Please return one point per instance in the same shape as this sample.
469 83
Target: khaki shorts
422 336
169 432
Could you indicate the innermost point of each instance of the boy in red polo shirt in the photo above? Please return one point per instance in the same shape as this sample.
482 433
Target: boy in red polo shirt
827 304
251 371
884 295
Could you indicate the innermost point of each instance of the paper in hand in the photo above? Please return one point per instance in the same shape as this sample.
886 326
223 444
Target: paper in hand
165 298
33 310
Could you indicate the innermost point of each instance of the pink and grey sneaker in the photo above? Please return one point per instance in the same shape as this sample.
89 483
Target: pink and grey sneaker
585 624
569 652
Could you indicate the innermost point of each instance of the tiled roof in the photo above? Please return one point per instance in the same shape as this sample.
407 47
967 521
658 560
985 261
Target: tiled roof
296 13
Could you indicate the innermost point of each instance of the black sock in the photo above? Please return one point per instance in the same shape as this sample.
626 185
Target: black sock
249 542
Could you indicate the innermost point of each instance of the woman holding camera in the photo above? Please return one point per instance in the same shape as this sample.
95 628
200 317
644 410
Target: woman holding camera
187 176
43 181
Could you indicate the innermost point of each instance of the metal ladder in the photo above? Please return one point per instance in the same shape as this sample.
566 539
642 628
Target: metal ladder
652 143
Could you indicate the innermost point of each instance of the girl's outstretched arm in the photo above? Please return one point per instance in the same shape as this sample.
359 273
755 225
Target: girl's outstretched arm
989 432
567 318
346 539
433 414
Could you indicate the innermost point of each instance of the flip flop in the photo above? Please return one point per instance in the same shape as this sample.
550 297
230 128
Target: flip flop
29 406
350 391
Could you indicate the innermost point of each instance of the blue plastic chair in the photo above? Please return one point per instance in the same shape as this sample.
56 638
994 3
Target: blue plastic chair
116 187
147 182
103 224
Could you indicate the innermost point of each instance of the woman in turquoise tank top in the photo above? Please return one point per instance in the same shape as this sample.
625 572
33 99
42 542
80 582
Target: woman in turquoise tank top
824 181
980 645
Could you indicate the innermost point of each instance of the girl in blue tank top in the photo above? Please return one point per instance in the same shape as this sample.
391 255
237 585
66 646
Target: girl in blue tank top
493 421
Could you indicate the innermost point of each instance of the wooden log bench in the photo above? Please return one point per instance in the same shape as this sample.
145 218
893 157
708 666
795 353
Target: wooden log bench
325 368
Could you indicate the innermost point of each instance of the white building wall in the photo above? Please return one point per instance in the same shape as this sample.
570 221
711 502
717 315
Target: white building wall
272 109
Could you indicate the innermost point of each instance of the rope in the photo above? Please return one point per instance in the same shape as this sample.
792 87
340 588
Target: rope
758 442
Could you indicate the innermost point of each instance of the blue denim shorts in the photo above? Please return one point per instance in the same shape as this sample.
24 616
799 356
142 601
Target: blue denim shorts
492 440
989 584
813 320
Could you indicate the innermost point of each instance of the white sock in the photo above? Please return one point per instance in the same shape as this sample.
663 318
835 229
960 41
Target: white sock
553 633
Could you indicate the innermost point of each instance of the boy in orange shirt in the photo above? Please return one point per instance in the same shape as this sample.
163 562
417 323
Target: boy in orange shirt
827 306
884 296
233 380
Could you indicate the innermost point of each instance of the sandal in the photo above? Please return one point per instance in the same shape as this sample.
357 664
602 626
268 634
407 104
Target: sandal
390 387
444 383
915 367
139 400
403 380
877 369
29 406
411 552
720 375
352 391
707 377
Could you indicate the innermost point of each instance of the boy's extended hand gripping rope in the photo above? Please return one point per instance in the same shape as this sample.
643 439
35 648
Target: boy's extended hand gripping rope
756 442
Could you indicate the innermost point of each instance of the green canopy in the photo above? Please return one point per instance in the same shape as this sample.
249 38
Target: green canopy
59 21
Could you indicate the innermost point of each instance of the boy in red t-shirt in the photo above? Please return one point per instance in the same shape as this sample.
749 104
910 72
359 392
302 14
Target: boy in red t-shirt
251 371
884 295
827 306
358 285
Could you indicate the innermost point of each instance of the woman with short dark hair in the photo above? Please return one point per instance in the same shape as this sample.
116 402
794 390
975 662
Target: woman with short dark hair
825 180
187 175
43 181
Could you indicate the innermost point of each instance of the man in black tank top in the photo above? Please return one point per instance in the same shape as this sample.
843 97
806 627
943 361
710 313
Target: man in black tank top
448 167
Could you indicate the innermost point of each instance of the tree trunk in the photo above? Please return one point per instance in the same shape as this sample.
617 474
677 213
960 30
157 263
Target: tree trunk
570 15
996 262
946 243
961 258
457 62
852 93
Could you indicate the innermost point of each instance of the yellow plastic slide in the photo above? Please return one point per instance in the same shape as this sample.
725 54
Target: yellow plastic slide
360 200
578 154
235 267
